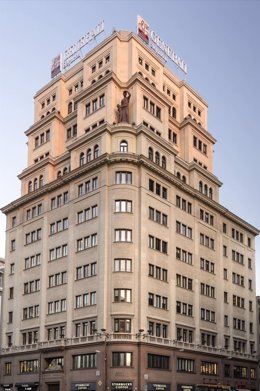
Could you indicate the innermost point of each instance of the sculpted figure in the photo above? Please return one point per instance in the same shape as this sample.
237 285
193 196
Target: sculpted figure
124 117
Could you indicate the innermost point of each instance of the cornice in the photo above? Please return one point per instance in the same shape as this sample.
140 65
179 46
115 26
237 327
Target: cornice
44 121
139 160
200 129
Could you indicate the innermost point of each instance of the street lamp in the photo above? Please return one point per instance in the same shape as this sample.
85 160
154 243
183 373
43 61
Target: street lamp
105 335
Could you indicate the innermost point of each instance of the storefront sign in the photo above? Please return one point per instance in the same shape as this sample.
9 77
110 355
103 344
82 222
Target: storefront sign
184 387
83 386
26 386
159 387
63 61
151 38
7 387
121 386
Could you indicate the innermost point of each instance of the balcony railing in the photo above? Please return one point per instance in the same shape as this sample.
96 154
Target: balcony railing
129 338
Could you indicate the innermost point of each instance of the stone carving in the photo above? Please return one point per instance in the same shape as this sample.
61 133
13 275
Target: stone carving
123 109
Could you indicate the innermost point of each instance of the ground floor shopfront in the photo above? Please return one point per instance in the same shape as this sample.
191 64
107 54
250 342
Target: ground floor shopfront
117 366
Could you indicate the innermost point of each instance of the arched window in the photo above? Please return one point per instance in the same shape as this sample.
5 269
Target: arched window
65 170
140 73
206 190
157 158
81 159
150 153
200 186
173 112
35 184
59 174
70 108
41 181
93 81
210 192
30 187
184 178
178 175
164 162
123 146
96 151
88 155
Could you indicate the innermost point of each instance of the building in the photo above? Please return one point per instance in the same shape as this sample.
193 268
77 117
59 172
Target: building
124 272
2 267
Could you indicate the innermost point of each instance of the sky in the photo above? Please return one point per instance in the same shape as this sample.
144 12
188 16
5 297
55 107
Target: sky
219 41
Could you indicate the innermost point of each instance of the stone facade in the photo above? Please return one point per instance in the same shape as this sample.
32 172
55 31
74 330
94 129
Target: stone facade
124 271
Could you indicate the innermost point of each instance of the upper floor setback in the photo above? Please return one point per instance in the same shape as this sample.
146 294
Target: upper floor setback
92 89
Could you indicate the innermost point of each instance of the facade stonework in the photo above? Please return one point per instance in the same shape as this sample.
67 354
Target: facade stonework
123 270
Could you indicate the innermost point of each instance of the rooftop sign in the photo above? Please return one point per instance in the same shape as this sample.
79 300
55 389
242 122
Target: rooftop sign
63 61
151 38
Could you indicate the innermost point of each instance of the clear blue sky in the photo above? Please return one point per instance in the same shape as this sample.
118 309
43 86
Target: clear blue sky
219 40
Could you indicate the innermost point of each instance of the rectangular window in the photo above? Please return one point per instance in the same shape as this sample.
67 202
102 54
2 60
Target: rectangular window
123 235
123 177
156 361
83 361
122 359
122 295
122 265
123 206
185 365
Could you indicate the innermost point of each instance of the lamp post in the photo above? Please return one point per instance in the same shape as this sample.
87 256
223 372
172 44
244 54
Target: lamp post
105 335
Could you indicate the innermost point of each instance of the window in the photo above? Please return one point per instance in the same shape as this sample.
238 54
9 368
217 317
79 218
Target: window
87 214
123 177
208 315
156 361
122 265
157 244
207 241
206 217
157 272
81 159
7 368
122 359
123 235
86 271
206 265
31 312
185 365
83 361
183 255
207 290
183 204
29 366
58 252
12 246
185 335
184 308
183 230
209 368
32 261
237 257
85 300
122 325
87 242
157 301
123 146
96 151
123 206
184 282
158 216
57 306
122 295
